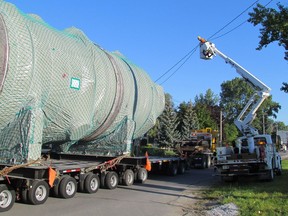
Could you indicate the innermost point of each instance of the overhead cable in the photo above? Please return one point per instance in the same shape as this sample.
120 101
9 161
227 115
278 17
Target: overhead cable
190 53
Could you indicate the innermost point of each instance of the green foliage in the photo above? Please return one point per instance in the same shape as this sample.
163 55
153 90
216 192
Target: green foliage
274 28
168 134
187 119
284 87
230 132
207 109
235 95
255 197
209 99
155 151
281 126
153 132
274 25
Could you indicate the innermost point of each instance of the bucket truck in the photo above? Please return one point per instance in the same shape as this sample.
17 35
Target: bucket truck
253 154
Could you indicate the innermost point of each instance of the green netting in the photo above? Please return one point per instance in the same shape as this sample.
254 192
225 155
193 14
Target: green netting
59 88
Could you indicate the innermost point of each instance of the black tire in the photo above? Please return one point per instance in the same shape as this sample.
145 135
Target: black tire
203 163
67 187
55 189
91 183
279 172
181 168
128 177
7 198
229 178
142 175
173 169
270 175
208 164
24 195
81 183
38 192
111 180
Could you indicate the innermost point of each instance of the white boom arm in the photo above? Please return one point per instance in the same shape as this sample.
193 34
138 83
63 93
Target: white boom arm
248 114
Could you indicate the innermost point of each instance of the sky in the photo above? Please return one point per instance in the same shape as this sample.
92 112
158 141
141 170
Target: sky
156 34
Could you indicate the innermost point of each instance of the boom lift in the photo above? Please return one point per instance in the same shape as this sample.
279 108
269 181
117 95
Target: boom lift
266 159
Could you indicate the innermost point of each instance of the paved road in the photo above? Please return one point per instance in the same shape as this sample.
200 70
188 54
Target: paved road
160 195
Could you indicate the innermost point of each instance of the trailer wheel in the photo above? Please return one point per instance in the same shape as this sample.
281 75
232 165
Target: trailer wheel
67 187
91 183
208 164
142 175
203 163
173 169
38 192
24 195
111 180
181 168
7 198
81 183
128 177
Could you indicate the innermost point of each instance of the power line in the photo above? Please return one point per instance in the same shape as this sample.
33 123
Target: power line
175 65
237 25
190 53
233 19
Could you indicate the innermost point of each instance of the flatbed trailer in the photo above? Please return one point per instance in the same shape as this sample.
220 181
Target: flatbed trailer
168 165
62 175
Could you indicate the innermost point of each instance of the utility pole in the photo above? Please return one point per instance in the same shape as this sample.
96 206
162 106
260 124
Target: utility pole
263 122
220 138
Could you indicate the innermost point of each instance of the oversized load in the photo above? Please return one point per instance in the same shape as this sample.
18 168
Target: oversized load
59 88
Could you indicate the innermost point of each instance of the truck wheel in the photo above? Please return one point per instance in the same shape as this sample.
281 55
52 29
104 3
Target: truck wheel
229 178
142 175
24 195
208 165
204 163
91 183
270 175
81 183
67 187
7 198
173 169
128 177
279 172
111 180
38 192
181 168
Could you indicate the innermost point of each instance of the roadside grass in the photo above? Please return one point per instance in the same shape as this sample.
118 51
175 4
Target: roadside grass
255 197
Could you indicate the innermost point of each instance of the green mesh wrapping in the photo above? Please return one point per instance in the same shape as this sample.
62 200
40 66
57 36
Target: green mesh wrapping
59 88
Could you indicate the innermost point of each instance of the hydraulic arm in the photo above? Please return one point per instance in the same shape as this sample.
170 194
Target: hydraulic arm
248 114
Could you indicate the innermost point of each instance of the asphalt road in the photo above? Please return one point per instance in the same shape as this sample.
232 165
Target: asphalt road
160 195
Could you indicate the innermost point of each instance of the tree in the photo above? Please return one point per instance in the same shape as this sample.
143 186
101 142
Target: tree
274 24
168 134
281 126
210 99
274 28
235 95
230 132
153 133
187 119
207 109
284 87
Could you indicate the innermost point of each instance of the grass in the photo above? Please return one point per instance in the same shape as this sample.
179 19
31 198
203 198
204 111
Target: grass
255 197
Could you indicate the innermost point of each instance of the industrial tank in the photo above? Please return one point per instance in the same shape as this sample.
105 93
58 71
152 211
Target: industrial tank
59 88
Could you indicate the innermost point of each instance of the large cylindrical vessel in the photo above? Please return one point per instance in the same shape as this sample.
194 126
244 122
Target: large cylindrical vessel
60 88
